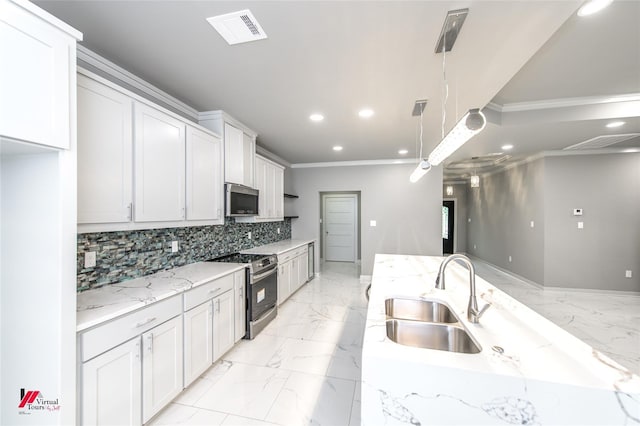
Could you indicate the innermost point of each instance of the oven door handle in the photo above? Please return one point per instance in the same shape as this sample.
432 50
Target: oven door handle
271 271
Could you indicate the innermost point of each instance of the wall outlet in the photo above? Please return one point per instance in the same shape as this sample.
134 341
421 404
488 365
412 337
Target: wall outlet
90 259
580 225
628 274
249 235
278 230
509 258
474 246
373 223
469 220
174 247
532 224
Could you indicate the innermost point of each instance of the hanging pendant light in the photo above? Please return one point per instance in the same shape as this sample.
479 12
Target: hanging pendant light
469 125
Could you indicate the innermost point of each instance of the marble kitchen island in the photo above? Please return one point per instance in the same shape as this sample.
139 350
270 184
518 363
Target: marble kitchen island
537 374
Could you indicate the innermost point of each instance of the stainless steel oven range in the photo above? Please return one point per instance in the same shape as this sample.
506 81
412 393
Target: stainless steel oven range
261 288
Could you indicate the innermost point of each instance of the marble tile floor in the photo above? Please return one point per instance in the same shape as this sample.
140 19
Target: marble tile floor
304 368
606 321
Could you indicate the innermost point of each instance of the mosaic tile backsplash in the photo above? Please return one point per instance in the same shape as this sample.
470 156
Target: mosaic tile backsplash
125 255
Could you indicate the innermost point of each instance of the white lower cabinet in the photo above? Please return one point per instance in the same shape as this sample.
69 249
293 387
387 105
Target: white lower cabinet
284 281
240 314
223 324
112 387
162 366
293 271
198 341
134 365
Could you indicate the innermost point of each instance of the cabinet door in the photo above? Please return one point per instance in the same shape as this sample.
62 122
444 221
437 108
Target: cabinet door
36 78
105 153
248 155
204 176
278 193
112 388
223 324
159 166
260 185
240 309
303 268
284 281
233 155
269 190
198 341
162 368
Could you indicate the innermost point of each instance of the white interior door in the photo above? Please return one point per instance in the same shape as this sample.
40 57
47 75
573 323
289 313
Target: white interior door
340 227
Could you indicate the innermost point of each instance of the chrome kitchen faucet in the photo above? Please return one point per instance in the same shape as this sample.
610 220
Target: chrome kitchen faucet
473 314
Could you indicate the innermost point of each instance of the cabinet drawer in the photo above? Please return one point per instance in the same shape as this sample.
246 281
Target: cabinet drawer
288 255
104 337
207 291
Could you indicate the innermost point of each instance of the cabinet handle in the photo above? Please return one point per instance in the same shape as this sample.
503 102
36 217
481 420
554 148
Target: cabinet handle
138 349
218 309
145 322
130 212
218 214
184 213
215 290
150 347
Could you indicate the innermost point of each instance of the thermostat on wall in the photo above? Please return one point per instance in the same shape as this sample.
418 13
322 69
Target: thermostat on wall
577 212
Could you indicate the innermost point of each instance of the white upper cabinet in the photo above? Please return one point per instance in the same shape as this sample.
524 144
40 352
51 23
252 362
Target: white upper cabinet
239 146
270 182
37 75
159 166
234 155
105 153
204 176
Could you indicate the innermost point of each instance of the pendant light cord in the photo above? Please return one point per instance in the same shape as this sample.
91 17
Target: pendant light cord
445 88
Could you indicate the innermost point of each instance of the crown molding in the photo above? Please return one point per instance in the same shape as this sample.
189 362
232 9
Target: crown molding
271 156
353 163
121 75
562 103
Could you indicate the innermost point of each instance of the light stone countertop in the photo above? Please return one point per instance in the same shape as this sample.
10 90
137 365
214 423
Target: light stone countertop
113 300
278 247
544 376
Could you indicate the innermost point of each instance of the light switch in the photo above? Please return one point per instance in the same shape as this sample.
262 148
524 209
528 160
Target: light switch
532 224
469 220
580 225
509 258
577 212
278 230
628 274
249 235
174 247
90 259
372 223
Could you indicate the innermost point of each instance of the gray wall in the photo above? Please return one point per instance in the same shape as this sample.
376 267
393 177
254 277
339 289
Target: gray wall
607 187
501 211
462 213
555 252
408 215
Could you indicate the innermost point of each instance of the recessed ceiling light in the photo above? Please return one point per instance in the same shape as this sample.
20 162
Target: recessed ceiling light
507 147
403 151
365 113
614 124
316 117
593 6
337 148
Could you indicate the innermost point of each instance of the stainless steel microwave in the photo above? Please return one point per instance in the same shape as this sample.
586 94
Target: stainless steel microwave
241 200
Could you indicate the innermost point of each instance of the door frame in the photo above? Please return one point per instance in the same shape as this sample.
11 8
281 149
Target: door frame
455 222
356 221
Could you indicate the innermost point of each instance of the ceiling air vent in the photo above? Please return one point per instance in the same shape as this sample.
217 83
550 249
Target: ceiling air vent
238 27
602 141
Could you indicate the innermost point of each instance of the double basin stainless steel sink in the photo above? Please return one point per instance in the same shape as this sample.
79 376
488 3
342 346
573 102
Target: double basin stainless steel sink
427 324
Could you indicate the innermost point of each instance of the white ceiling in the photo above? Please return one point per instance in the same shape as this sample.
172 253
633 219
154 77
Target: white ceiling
337 57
